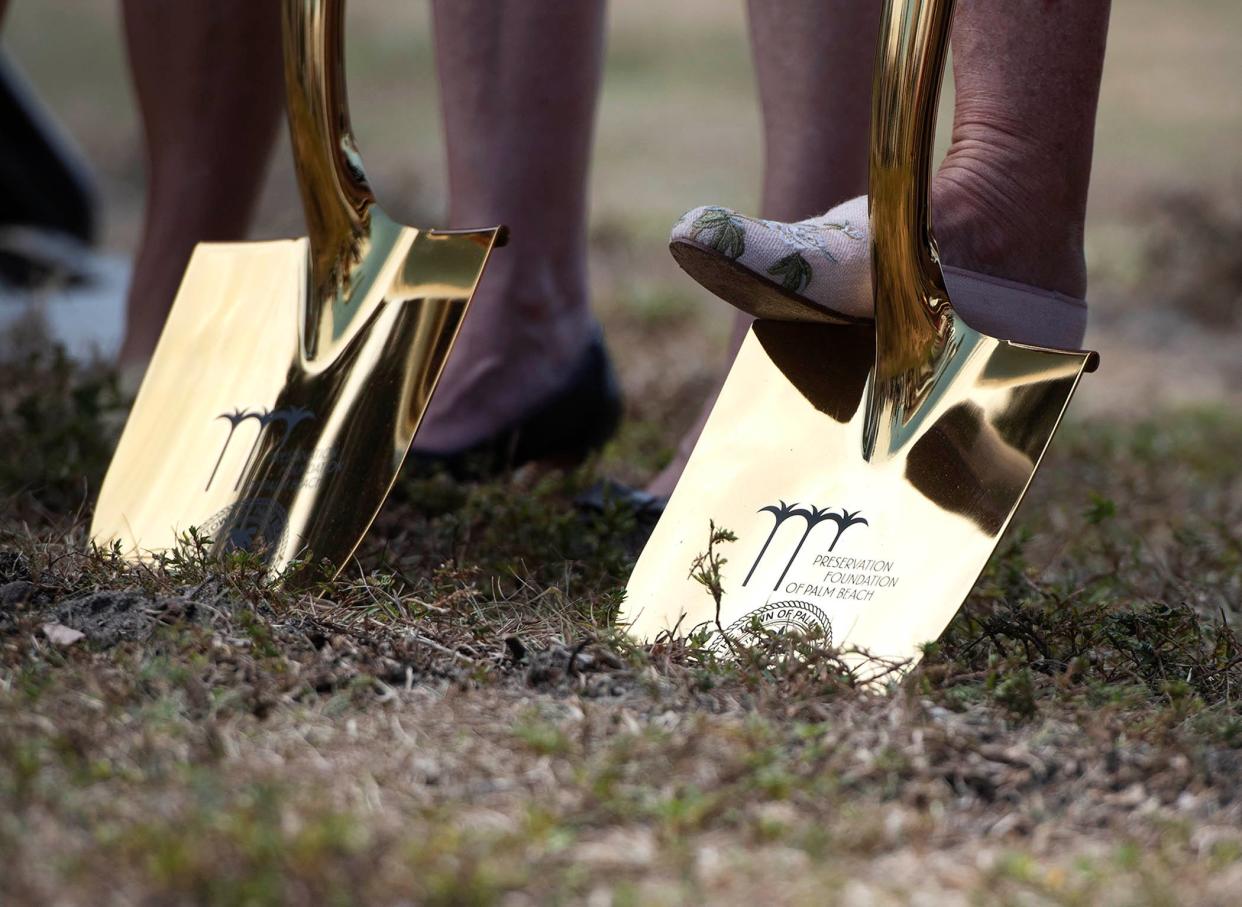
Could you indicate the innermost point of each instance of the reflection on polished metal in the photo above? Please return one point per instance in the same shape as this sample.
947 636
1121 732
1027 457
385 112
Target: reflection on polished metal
868 473
291 376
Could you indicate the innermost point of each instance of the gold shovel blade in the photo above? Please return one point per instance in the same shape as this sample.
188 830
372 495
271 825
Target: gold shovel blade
878 555
236 432
291 376
867 472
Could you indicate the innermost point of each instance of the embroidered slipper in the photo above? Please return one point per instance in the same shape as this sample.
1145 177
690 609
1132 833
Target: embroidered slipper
823 266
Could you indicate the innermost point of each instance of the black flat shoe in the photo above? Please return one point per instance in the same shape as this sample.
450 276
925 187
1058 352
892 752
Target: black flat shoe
562 431
610 496
647 508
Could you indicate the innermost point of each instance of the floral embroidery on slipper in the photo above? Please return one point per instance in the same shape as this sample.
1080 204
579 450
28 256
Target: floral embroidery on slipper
793 271
725 232
809 234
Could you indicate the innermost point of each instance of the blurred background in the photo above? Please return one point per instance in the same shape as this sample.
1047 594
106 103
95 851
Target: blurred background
678 127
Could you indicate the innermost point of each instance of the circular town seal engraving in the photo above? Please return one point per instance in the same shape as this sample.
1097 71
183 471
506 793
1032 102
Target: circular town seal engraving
246 525
782 617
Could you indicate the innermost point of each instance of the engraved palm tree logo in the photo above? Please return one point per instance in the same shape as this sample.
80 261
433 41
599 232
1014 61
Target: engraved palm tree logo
844 521
265 419
782 512
288 418
813 516
235 418
291 418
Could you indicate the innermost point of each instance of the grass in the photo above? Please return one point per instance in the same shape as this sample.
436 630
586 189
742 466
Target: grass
456 721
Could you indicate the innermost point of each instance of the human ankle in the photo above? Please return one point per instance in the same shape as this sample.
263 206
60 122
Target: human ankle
529 325
1002 206
523 287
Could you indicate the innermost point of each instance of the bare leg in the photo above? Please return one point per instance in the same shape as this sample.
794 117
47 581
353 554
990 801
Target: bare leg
811 57
1010 199
519 82
813 64
208 78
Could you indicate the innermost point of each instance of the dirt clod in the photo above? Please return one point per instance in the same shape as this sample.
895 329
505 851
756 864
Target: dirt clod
557 665
16 592
108 618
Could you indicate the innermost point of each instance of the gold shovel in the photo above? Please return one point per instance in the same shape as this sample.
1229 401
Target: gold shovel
291 376
867 472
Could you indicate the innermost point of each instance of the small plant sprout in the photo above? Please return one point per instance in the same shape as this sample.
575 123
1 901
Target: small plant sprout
706 570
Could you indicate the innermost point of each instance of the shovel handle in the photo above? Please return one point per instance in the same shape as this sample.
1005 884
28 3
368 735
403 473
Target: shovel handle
912 311
335 193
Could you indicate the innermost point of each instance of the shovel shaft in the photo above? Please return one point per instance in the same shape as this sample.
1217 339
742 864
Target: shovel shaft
913 317
333 185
